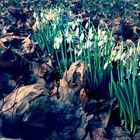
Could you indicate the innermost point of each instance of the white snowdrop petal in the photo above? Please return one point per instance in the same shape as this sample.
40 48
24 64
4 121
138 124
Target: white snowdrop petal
88 44
78 20
41 14
69 39
80 52
90 36
103 33
66 33
70 13
73 26
100 43
105 38
105 65
82 37
99 31
77 32
123 56
90 31
86 26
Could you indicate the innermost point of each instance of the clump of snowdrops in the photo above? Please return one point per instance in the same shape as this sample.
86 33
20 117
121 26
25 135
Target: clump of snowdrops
63 35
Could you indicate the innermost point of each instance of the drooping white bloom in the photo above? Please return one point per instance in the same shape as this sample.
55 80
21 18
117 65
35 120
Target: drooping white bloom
123 56
90 31
103 33
100 43
41 14
66 33
70 13
58 41
34 15
105 38
113 54
118 56
88 44
78 20
106 64
90 34
69 38
73 25
130 51
80 52
77 31
99 32
86 26
82 37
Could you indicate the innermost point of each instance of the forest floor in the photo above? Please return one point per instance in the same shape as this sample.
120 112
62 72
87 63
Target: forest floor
21 64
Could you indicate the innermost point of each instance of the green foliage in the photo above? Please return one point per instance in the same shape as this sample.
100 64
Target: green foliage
98 74
126 90
71 41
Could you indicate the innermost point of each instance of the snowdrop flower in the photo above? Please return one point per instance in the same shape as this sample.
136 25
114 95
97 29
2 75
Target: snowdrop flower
88 44
90 34
130 51
35 15
56 46
106 64
86 26
78 20
90 31
73 26
103 33
100 43
113 54
70 13
105 38
69 38
123 56
82 37
77 31
80 52
99 32
66 33
118 56
41 14
57 41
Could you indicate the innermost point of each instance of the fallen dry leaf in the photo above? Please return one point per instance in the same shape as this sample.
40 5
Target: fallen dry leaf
27 42
82 70
84 97
34 27
98 134
40 70
63 82
68 75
